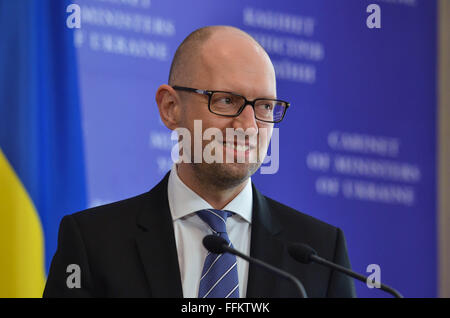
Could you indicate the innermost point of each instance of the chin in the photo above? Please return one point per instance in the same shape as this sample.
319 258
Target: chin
227 175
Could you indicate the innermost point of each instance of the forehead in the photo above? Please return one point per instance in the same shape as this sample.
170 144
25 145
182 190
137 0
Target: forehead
234 62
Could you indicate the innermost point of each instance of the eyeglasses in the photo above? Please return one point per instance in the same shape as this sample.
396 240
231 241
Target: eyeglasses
231 105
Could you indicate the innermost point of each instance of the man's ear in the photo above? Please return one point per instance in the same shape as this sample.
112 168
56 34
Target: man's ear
169 106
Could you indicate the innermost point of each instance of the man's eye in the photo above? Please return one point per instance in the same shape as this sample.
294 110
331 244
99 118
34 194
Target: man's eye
225 101
268 106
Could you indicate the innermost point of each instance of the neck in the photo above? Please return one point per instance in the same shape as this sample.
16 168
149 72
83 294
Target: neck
217 196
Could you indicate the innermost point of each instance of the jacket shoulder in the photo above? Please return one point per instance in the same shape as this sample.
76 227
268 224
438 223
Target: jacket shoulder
119 209
303 228
288 215
127 209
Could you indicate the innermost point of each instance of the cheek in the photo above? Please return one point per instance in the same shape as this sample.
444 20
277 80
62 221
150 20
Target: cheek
264 135
198 123
214 121
191 118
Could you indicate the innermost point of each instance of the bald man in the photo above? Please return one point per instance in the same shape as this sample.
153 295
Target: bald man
151 245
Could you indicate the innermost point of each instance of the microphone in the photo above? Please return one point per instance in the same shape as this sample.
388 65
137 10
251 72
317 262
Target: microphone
218 245
306 254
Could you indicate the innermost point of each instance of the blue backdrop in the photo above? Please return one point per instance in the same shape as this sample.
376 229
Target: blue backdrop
357 147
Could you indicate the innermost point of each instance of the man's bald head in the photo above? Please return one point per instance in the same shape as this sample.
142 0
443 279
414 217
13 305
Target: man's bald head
187 56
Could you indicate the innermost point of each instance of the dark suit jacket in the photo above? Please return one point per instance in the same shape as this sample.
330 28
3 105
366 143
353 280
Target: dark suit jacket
128 249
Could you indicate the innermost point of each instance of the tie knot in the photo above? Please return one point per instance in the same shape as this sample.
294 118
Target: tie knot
216 219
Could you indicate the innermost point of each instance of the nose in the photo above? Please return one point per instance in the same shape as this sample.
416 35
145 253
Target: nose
246 119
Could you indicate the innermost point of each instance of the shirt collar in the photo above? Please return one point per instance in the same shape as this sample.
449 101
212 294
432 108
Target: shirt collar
183 201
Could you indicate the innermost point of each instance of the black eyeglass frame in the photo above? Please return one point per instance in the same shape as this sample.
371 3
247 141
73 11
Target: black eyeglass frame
246 102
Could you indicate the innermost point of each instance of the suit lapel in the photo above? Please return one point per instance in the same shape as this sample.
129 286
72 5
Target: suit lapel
265 246
157 246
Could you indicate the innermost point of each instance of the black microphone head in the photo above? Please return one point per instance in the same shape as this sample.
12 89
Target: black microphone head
214 244
301 252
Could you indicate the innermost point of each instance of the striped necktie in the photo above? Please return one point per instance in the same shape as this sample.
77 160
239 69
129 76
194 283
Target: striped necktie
219 276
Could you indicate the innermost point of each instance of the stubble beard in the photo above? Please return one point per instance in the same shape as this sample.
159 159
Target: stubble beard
223 176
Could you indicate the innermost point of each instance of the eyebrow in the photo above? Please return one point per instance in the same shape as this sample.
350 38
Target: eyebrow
246 96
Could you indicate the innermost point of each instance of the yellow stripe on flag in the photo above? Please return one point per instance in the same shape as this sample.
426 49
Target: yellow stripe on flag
22 272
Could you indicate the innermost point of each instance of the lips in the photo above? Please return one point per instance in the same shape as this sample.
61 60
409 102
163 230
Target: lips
238 147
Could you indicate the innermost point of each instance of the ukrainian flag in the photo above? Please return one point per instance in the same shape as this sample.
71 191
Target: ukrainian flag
42 173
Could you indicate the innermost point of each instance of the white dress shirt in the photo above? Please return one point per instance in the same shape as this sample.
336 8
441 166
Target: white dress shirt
190 229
